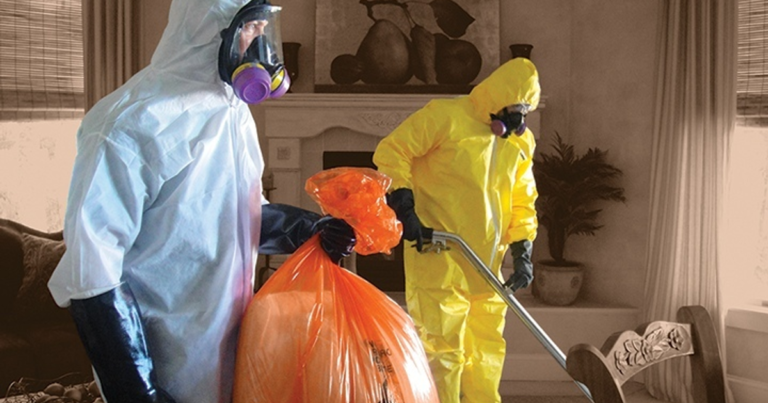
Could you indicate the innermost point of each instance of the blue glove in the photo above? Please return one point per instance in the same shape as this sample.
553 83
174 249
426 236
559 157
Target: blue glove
523 274
401 201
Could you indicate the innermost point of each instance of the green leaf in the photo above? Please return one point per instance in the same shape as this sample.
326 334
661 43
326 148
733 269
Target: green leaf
571 187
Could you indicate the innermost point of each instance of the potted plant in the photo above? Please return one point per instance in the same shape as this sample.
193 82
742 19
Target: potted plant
570 187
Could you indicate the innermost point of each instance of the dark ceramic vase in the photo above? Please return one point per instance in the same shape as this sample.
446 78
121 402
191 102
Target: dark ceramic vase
291 59
521 50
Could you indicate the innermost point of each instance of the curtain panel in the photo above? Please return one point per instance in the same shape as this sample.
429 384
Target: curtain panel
694 119
111 46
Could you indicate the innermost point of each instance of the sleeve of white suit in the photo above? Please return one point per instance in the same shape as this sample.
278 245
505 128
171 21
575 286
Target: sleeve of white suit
106 200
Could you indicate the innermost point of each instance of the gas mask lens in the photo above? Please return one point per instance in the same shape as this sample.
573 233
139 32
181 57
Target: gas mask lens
247 34
258 38
252 54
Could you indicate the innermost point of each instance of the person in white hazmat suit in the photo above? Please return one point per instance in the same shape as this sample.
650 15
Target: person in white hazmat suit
165 212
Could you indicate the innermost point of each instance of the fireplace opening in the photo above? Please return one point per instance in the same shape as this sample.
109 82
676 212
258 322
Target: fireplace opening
385 272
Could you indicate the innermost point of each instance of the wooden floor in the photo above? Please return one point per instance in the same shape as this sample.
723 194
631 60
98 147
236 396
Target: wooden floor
544 399
634 393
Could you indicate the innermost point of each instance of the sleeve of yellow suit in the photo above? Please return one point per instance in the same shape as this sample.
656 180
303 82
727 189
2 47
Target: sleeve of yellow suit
524 223
415 137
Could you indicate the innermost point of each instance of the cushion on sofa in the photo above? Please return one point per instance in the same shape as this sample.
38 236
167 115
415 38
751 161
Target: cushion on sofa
38 339
33 302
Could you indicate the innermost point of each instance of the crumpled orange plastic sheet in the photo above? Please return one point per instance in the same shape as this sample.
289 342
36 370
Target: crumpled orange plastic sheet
316 332
358 195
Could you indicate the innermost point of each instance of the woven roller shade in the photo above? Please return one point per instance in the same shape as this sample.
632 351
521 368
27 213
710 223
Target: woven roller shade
752 76
41 68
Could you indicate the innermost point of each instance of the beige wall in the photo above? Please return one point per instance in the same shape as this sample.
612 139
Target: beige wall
597 64
613 60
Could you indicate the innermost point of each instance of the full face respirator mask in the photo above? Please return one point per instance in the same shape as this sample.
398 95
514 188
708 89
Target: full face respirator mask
509 120
251 53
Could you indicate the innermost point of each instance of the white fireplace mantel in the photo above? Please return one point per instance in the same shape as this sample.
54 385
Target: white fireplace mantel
307 115
294 118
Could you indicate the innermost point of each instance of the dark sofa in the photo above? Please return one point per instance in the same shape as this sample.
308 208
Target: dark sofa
37 338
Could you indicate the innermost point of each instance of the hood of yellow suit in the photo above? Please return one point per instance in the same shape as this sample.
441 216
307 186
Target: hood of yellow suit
515 82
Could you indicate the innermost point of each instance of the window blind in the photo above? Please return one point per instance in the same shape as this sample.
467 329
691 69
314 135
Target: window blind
752 75
41 68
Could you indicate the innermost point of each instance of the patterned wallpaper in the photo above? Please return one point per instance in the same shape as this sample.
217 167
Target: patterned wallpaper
36 163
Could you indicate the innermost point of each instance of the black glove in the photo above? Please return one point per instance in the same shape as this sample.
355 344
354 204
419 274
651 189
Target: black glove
336 237
523 274
401 201
284 228
110 328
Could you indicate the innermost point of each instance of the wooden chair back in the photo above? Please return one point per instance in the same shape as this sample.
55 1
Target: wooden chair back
625 354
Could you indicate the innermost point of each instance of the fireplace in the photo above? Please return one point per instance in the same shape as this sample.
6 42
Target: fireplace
309 132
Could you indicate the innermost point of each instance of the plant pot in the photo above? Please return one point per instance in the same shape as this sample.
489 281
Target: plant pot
558 285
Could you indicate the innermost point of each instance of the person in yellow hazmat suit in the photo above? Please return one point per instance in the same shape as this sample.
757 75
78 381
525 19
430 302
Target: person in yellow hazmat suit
464 165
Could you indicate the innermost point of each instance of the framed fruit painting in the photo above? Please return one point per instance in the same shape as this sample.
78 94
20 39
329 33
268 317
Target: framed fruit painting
405 46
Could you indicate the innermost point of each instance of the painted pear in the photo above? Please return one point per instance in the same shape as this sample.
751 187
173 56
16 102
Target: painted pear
384 53
423 54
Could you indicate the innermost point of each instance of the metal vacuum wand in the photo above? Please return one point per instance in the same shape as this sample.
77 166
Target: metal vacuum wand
439 243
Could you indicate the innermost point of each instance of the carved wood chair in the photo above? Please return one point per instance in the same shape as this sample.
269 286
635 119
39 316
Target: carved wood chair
625 354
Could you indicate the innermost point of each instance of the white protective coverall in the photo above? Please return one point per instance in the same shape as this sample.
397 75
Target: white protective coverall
469 182
165 196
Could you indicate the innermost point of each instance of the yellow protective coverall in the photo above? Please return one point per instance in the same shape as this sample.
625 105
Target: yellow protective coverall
480 186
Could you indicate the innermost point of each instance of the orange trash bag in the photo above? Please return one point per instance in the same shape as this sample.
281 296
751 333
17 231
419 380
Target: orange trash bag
316 332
